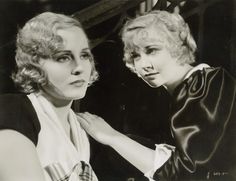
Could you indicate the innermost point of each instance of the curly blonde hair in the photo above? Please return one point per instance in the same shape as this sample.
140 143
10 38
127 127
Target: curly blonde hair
173 29
39 39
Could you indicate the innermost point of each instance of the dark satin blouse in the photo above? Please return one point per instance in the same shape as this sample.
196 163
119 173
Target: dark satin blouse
203 125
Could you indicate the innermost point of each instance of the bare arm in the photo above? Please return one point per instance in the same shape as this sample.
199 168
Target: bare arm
19 160
138 155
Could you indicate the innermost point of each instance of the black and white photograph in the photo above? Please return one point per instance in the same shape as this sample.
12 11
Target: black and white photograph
118 90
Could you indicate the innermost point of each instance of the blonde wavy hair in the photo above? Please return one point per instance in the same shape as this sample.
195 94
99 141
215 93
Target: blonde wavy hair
174 32
39 39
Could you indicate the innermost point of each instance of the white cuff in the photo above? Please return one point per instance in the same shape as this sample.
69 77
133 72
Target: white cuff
162 154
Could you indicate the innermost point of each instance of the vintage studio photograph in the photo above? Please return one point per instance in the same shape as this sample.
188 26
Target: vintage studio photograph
118 90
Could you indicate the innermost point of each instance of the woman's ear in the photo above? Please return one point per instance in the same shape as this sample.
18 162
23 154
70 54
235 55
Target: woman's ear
93 77
183 36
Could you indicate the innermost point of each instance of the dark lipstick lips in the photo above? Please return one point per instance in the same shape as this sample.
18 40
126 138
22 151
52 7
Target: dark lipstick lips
77 82
151 74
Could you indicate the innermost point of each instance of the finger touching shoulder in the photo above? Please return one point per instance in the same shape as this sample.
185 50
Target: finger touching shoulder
19 160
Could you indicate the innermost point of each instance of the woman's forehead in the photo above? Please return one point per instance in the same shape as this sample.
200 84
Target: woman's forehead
145 37
73 37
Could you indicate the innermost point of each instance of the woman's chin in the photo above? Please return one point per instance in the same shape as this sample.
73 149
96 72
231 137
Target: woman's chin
74 96
153 84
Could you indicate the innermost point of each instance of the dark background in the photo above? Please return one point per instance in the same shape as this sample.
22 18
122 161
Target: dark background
124 101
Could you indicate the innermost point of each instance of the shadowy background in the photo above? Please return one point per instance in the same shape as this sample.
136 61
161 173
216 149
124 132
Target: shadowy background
124 101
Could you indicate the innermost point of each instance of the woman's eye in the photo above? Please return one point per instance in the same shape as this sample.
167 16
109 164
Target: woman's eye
134 56
85 56
151 51
64 58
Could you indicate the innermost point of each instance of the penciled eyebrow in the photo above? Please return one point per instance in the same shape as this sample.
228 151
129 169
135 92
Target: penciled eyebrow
153 46
135 28
61 52
86 49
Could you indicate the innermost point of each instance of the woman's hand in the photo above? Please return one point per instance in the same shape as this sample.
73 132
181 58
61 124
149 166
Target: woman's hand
126 147
96 127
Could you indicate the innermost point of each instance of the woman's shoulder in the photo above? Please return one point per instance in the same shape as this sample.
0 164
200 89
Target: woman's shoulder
17 113
204 71
211 78
15 103
12 98
205 79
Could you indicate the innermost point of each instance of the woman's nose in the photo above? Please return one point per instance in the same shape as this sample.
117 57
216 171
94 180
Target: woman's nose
77 67
146 63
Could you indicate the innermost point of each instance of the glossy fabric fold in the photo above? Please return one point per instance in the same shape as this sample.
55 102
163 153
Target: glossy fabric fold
203 117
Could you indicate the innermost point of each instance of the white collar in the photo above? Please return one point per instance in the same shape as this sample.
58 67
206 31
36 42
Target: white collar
194 69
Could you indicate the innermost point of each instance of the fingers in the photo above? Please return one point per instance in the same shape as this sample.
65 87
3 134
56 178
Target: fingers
83 121
91 116
89 119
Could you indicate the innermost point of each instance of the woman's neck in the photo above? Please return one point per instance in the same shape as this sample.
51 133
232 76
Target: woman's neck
178 77
62 112
60 106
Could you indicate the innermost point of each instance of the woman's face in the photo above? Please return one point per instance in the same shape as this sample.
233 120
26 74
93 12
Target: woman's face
152 60
69 70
